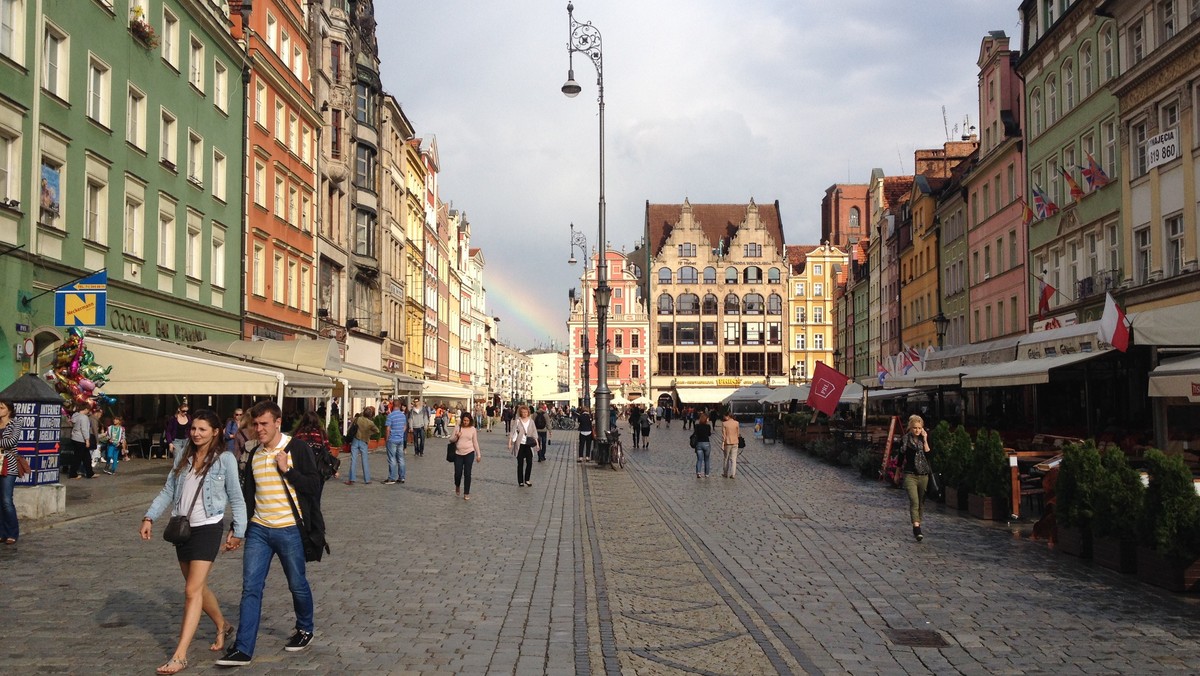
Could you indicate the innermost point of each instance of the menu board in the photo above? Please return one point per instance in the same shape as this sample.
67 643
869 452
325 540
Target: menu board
41 426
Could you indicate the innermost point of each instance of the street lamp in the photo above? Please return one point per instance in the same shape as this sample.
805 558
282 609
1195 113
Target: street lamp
585 367
585 39
837 358
941 324
795 380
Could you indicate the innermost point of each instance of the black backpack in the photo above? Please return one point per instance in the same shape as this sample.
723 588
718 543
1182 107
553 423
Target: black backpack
539 420
352 432
327 463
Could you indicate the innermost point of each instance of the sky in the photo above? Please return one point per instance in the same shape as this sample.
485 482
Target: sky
715 101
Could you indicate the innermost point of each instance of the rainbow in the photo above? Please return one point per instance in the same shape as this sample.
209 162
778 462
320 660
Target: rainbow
527 316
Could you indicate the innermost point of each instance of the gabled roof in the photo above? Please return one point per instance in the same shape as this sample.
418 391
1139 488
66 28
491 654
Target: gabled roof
797 254
895 188
716 220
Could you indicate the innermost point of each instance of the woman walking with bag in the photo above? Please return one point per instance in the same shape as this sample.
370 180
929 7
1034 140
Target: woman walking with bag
466 453
524 436
702 431
202 484
914 459
10 468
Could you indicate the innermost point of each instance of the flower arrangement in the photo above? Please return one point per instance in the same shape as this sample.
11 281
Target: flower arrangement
141 28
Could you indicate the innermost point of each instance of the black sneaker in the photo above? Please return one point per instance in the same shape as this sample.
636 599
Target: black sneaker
299 641
388 482
234 658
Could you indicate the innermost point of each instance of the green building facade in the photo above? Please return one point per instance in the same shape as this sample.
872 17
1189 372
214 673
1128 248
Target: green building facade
121 138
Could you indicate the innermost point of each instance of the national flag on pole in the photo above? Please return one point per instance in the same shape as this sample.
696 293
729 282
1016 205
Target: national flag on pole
1114 328
1094 174
1076 191
827 387
1029 216
881 372
1046 208
1045 293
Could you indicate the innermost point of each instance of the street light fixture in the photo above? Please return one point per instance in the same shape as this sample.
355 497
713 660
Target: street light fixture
837 358
585 39
941 324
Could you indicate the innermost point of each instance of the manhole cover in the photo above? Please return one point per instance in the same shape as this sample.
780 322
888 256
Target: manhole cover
917 638
793 517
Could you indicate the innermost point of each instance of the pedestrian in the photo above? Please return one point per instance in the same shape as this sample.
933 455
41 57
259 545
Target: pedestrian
10 469
235 442
394 431
542 422
521 444
439 422
635 424
585 435
176 432
612 417
418 419
703 433
115 447
365 429
668 411
81 431
466 453
201 470
490 412
913 456
645 429
280 473
658 413
137 438
312 432
507 417
730 433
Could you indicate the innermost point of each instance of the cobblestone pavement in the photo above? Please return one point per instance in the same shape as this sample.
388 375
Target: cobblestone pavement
793 567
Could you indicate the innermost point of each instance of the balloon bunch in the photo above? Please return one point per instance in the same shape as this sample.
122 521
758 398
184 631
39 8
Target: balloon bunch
76 375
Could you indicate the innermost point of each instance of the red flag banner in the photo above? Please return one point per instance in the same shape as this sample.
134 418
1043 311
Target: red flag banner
827 386
1114 329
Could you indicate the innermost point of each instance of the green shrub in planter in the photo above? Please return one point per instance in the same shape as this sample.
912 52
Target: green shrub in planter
1079 478
955 461
335 433
795 420
988 473
866 461
1118 501
940 451
1171 518
380 421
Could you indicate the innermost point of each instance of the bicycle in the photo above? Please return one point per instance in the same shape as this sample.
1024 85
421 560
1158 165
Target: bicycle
563 422
616 452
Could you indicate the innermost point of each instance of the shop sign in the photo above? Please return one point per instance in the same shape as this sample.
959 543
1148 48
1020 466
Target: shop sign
127 322
40 425
1162 148
1053 323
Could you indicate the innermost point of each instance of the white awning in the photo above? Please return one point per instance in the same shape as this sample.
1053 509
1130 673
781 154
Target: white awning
704 395
436 389
296 354
562 396
1178 377
378 381
878 395
787 393
1024 371
1177 325
947 376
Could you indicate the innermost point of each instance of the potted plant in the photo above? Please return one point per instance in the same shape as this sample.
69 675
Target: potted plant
988 476
953 462
377 440
1074 498
940 438
1117 507
141 28
1169 555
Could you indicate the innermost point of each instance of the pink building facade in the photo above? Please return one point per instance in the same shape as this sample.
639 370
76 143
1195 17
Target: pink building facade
627 332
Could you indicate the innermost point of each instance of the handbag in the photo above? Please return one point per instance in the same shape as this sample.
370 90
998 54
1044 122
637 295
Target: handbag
451 450
23 468
692 441
179 528
741 441
312 535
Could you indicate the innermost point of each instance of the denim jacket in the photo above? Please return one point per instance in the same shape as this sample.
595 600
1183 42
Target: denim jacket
221 488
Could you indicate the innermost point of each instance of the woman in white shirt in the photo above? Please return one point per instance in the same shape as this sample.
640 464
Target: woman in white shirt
524 438
202 484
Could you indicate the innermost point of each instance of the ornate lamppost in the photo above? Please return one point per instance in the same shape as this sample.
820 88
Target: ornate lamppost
941 323
579 240
585 39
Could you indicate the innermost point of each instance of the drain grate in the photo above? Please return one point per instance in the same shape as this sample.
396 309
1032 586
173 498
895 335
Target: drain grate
793 517
917 638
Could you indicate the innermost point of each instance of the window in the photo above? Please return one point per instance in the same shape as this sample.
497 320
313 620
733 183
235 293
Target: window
259 283
195 158
279 131
800 314
305 144
278 208
285 46
635 371
752 304
1137 42
1139 148
364 167
666 333
1109 151
733 365
666 304
167 134
277 284
819 341
800 341
1168 19
335 138
364 105
634 339
166 238
688 333
753 250
364 233
95 224
1141 255
1035 112
260 187
131 241
1068 87
305 284
800 289
1169 114
293 289
196 63
687 275
773 276
818 289
98 91
752 333
687 250
12 29
293 205
192 250
666 364
688 304
709 305
170 38
774 304
710 275
52 197
1174 254
217 273
708 333
220 86
818 316
218 176
55 62
293 130
1108 56
260 103
733 304
664 275
272 32
305 209
135 118
733 333
619 340
1085 71
335 60
752 275
731 275
1051 101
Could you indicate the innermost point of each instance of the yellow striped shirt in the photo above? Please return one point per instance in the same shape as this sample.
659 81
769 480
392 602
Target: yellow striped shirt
271 507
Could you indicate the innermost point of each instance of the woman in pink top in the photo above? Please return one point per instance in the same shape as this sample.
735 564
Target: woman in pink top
467 453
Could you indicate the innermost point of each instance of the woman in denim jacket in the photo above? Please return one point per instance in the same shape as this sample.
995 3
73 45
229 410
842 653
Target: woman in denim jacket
201 467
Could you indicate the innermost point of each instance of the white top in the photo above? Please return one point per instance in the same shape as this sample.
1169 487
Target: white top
192 483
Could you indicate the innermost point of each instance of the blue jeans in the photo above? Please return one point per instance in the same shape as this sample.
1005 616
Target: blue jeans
9 528
703 451
358 449
177 446
395 453
112 454
419 440
262 543
542 434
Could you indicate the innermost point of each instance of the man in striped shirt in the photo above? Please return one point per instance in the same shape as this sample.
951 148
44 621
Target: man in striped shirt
280 472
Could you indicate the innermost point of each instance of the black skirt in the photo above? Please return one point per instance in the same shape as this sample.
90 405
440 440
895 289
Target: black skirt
204 544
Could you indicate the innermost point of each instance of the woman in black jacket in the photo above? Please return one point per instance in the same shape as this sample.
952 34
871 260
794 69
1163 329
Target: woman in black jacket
585 435
914 458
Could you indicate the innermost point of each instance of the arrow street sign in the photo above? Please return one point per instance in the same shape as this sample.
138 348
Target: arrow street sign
83 302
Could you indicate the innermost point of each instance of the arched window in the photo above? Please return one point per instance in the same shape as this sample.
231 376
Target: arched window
1035 112
1051 101
666 305
687 275
752 304
773 276
1068 85
854 217
733 305
710 275
688 304
753 275
709 306
664 275
774 304
1108 56
731 275
1085 71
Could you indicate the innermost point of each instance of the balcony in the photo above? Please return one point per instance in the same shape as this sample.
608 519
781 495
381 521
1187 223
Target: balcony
1101 282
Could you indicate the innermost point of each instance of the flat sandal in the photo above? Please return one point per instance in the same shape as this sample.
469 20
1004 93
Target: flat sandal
165 669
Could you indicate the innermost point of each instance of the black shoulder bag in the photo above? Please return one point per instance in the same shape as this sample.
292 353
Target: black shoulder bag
179 528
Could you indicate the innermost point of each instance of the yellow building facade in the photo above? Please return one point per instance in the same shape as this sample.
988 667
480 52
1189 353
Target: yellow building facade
812 275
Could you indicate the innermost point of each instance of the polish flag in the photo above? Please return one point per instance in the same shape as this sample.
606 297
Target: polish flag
1114 328
1045 293
827 386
